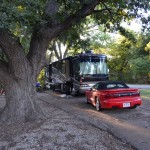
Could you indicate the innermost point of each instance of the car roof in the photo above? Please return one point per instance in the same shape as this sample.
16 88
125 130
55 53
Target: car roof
103 85
111 82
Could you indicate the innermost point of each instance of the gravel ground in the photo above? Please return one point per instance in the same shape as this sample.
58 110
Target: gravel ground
60 131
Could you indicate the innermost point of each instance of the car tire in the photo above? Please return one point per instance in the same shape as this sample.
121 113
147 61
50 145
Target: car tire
98 105
135 106
75 92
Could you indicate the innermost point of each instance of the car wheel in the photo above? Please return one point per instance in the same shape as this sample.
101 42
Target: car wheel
98 105
75 92
133 107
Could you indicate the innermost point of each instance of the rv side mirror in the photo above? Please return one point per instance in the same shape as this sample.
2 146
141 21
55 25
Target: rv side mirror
108 70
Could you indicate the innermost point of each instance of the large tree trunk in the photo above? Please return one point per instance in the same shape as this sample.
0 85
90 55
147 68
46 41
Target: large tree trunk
19 75
21 102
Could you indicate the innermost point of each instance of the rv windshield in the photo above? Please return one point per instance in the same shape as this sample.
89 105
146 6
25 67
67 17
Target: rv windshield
93 67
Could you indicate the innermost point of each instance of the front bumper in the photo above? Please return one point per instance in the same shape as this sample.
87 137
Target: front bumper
84 87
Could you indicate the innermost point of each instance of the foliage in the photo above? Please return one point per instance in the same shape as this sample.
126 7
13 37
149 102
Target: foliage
98 39
20 14
69 43
141 68
19 17
141 60
80 39
145 94
41 77
120 56
130 58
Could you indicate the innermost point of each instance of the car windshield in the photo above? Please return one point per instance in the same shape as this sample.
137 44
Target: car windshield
97 67
116 85
103 86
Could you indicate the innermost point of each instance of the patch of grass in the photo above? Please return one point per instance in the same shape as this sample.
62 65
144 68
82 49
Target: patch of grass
145 93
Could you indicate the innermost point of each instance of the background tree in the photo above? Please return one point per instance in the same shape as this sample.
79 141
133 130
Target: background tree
68 43
130 57
121 53
23 63
98 39
80 39
140 64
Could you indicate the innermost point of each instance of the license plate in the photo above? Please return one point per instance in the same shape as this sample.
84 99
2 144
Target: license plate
126 104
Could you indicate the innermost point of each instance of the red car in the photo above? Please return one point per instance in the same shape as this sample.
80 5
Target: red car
112 94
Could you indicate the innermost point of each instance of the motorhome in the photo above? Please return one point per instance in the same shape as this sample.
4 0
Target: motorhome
76 74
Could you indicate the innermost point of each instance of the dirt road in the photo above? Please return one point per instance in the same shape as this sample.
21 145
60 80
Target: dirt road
72 124
130 125
62 130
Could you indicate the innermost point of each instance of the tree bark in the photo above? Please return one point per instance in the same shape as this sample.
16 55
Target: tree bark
21 97
19 78
21 103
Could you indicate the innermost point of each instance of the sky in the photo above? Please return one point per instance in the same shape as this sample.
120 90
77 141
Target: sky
134 25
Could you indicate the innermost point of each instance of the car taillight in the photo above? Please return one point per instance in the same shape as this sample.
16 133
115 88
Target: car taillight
135 94
108 96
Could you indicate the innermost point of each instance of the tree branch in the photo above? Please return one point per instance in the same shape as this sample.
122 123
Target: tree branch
10 44
66 51
37 52
99 11
14 52
46 32
54 49
109 10
86 10
59 48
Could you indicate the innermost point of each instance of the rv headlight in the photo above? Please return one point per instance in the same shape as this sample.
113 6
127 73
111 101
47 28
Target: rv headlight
84 85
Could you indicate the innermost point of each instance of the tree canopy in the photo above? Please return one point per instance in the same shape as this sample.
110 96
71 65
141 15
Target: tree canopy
130 57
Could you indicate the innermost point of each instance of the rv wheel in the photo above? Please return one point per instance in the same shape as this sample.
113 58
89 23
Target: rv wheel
53 87
68 89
